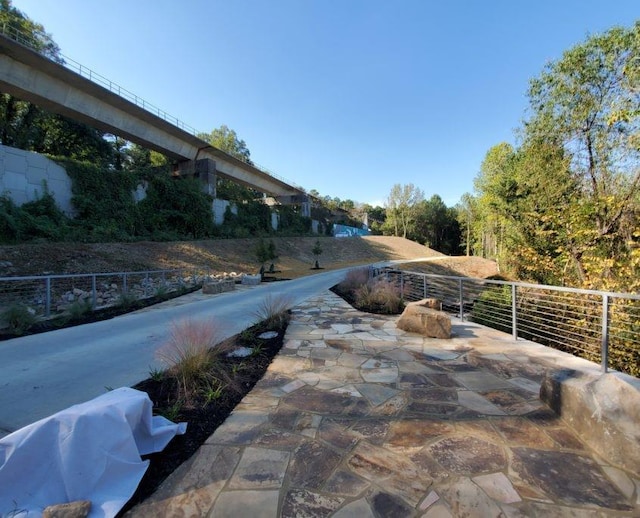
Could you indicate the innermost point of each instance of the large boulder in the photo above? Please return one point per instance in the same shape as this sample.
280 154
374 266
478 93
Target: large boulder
421 317
251 280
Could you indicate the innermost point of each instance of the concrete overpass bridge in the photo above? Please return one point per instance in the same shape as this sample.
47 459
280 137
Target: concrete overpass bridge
28 75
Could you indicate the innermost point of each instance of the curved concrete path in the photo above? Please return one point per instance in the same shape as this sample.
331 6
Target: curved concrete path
44 373
355 418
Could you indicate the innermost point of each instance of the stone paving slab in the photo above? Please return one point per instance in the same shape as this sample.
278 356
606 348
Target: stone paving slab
355 418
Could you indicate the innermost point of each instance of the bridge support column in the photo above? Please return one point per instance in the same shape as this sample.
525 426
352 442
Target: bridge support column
203 169
299 199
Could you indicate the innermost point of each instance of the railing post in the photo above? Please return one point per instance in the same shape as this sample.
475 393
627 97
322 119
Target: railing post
514 314
461 293
605 333
94 294
47 299
124 283
424 286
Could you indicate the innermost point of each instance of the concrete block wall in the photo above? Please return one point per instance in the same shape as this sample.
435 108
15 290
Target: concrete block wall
24 174
219 207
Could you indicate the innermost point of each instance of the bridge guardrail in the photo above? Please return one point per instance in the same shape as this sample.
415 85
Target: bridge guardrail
597 325
28 41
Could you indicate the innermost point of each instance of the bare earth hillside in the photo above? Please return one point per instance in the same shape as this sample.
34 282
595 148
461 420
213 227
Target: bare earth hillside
459 266
295 257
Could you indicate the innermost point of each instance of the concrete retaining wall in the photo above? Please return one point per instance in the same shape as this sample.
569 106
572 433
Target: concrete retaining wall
24 176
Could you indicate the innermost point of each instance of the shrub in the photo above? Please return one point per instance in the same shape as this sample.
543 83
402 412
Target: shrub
162 292
493 308
380 296
193 356
38 219
18 318
126 300
354 279
79 309
273 311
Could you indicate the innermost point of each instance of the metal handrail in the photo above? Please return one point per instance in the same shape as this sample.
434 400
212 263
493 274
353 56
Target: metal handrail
582 320
27 41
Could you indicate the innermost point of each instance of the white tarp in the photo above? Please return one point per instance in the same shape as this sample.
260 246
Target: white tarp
89 451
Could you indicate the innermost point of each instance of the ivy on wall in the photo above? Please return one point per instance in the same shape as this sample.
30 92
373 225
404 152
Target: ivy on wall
174 208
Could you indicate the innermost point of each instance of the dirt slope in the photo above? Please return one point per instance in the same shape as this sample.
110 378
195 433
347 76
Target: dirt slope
458 266
225 255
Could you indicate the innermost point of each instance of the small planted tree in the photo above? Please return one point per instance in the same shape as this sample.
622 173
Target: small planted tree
272 256
262 254
265 252
317 250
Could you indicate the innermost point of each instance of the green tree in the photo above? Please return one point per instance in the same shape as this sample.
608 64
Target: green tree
376 217
564 207
466 211
436 226
265 252
227 140
65 137
401 207
33 34
27 126
141 159
316 251
587 102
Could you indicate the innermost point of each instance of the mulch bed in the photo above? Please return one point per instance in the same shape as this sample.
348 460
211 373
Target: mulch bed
62 321
203 418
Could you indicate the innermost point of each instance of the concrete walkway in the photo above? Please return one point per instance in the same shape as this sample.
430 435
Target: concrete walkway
44 373
355 418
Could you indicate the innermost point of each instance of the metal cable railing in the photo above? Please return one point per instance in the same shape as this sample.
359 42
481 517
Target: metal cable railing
600 326
31 42
53 295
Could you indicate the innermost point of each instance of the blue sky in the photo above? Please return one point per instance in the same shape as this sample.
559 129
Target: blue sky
348 97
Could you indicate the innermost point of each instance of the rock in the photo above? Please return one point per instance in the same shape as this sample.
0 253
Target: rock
427 303
426 321
212 288
603 410
240 352
251 280
78 509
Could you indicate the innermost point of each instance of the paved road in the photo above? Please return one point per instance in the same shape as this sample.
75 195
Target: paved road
44 373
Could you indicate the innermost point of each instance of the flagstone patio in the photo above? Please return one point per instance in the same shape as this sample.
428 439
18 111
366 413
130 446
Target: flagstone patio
355 418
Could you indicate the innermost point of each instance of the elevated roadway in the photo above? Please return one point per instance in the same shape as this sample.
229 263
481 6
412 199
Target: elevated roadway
28 75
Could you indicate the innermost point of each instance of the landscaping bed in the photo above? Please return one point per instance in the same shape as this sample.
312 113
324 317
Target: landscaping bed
206 409
87 316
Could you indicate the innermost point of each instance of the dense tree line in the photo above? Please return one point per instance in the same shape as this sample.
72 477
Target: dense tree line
563 206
